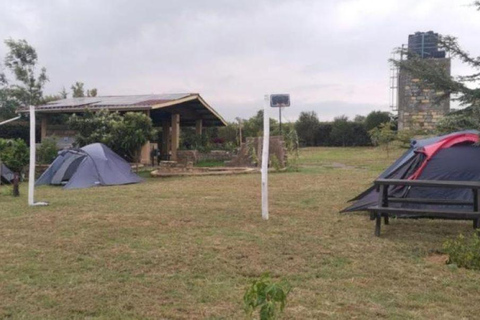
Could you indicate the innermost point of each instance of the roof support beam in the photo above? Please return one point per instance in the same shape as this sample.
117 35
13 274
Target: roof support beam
175 135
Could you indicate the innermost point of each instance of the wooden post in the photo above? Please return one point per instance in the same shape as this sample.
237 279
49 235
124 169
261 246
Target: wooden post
43 125
475 208
1 172
199 127
382 202
165 139
175 135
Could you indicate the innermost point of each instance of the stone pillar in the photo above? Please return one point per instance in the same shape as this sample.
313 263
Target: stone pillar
43 125
199 127
145 153
165 139
175 135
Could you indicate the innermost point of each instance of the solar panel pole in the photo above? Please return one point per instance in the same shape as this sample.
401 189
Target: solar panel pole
266 146
31 171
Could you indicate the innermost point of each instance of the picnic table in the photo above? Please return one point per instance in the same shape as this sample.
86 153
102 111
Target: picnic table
383 208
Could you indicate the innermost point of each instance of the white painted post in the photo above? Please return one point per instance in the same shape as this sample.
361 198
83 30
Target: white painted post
266 146
31 171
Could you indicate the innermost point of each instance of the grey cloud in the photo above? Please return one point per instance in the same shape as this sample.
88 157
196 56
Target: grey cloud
232 52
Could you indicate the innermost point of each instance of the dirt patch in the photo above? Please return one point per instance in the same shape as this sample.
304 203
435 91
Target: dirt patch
437 258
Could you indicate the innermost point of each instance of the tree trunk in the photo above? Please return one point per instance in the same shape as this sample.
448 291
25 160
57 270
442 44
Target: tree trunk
16 191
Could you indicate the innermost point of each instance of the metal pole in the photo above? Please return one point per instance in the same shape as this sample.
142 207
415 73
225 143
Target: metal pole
266 146
280 118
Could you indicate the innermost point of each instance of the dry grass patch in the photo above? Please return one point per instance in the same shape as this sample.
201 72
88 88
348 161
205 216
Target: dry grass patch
186 248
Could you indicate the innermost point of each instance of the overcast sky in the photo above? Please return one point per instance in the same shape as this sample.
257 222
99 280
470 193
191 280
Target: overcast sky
330 55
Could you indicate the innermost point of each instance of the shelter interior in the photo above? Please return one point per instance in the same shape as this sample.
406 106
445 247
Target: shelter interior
169 112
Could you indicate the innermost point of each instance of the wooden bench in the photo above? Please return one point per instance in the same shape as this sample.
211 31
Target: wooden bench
382 209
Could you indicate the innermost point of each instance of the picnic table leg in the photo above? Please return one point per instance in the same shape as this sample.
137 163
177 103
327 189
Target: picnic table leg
378 223
475 208
385 219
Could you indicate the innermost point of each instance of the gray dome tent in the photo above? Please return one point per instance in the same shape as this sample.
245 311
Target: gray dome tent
92 165
6 175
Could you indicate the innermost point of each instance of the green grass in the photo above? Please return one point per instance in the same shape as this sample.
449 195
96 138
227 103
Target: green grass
210 163
187 248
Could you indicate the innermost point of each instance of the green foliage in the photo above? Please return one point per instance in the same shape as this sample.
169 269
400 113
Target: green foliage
78 91
253 127
460 120
124 134
306 127
14 154
48 151
376 118
383 135
341 131
405 137
267 296
463 88
275 162
21 61
17 130
292 145
464 251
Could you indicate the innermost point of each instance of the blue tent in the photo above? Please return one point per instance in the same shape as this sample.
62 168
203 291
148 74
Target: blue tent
6 174
92 165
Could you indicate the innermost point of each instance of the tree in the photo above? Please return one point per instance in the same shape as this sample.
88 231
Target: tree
341 131
92 92
14 154
253 127
306 127
124 134
382 135
465 88
376 118
78 91
21 61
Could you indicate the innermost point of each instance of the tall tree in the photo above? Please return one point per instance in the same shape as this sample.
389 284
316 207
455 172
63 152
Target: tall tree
464 88
21 60
376 118
306 127
77 90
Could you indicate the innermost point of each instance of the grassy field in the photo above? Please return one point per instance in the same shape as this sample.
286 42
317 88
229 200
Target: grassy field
187 248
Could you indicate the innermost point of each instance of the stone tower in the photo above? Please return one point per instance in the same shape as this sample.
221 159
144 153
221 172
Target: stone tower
417 105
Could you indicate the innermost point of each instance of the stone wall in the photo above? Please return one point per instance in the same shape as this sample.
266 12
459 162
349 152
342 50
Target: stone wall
184 156
417 105
250 153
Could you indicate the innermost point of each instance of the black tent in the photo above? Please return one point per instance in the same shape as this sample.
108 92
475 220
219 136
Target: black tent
453 157
92 165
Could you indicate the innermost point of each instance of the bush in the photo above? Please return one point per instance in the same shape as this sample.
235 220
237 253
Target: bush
18 130
48 151
14 154
269 296
464 251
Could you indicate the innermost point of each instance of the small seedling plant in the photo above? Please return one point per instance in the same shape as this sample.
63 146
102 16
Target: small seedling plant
266 296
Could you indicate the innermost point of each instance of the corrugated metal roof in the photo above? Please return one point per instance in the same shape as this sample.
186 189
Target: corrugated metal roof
153 102
112 101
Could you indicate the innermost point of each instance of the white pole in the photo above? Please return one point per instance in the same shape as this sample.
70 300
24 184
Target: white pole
31 171
266 146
